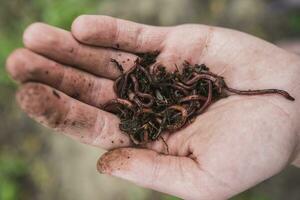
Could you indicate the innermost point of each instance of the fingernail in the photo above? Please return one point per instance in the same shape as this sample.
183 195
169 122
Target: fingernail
102 166
111 161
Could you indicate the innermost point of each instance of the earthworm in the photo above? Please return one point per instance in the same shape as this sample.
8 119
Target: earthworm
261 92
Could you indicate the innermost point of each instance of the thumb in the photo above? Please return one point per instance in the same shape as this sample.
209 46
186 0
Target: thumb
178 176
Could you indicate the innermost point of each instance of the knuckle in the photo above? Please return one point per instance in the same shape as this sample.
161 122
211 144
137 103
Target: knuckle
102 132
140 37
103 90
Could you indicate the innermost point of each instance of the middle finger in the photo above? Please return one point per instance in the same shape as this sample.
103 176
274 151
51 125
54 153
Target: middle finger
25 66
59 45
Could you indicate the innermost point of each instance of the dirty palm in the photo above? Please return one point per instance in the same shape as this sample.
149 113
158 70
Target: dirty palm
236 143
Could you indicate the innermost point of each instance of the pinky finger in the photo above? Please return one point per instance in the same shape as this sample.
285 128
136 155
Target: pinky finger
80 121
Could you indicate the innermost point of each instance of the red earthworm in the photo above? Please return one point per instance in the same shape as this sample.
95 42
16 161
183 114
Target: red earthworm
117 83
146 73
197 77
117 101
135 83
261 92
135 141
125 82
145 134
140 94
208 101
187 87
149 97
147 110
211 74
161 127
143 104
165 143
184 116
153 69
157 100
193 97
194 105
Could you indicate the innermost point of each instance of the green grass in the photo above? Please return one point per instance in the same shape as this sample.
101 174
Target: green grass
12 169
15 20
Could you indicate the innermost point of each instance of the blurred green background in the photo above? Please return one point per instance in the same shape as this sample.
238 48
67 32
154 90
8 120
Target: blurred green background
37 165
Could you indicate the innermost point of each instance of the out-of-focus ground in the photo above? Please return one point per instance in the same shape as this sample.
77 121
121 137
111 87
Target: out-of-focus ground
37 164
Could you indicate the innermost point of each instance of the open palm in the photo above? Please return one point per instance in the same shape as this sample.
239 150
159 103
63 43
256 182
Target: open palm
238 142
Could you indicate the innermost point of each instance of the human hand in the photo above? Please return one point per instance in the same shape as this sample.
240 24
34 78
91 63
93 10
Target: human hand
238 142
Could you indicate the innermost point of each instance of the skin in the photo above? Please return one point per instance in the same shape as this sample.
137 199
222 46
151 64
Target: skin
237 143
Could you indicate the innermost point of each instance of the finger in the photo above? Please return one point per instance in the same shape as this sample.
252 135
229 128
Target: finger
80 121
179 176
117 33
24 65
59 45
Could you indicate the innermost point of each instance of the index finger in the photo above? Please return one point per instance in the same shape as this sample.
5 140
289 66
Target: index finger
73 118
107 31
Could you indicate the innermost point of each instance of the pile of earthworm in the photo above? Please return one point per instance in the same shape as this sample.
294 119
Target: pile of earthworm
150 100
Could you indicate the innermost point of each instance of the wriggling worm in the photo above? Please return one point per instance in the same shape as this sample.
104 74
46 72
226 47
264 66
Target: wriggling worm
150 100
